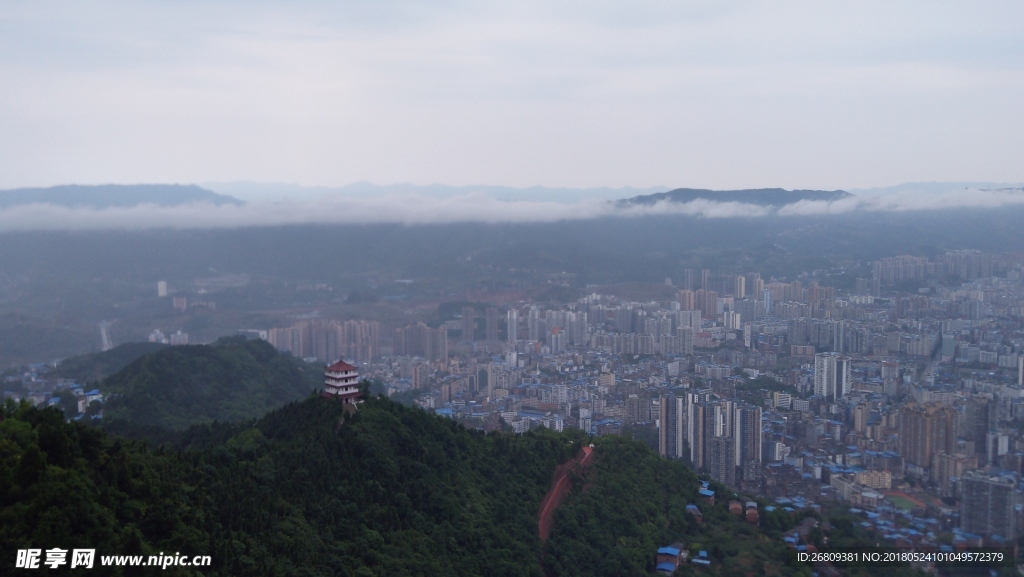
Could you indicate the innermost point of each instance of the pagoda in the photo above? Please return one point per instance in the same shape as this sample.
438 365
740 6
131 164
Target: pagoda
341 380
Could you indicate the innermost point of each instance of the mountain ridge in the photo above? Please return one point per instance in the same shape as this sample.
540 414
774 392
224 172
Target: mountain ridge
114 195
773 197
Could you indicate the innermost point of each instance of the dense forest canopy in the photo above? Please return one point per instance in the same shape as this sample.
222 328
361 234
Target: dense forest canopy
389 490
232 379
303 491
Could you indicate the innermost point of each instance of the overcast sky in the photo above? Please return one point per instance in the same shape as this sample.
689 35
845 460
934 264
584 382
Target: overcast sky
565 94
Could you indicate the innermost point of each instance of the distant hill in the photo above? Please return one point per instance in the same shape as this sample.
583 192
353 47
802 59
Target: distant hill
759 196
113 195
97 366
231 380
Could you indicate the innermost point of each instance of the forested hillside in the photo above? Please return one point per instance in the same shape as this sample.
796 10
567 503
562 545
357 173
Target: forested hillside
97 366
388 490
631 503
230 380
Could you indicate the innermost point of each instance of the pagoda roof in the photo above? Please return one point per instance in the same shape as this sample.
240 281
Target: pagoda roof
340 367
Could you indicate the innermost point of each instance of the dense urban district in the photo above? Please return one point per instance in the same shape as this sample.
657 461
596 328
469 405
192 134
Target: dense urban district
900 399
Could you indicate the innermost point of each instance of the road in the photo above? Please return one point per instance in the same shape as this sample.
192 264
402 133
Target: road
105 343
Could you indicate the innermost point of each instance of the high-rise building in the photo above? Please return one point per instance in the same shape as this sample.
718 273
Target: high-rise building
732 321
672 427
832 378
988 505
747 434
639 320
685 336
755 284
766 298
468 323
707 420
161 288
533 324
844 379
577 327
438 350
686 300
861 412
897 269
491 324
696 422
687 283
706 302
824 374
631 409
513 325
557 340
838 335
721 460
947 470
705 278
979 419
1020 370
697 418
419 340
740 287
419 375
330 340
487 373
924 431
687 319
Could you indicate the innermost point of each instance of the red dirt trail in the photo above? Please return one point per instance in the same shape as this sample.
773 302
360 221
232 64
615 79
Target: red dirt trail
559 489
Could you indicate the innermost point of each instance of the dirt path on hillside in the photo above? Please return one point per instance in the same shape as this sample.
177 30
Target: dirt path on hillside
559 489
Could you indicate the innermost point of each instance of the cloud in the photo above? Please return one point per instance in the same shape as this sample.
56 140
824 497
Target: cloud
910 200
392 208
416 208
408 209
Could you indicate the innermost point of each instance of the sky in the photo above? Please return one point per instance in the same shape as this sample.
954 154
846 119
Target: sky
575 94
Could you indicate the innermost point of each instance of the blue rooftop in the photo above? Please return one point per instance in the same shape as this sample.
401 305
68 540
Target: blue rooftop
668 551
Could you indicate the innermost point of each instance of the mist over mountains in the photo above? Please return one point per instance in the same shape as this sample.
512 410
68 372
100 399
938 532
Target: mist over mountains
192 207
776 197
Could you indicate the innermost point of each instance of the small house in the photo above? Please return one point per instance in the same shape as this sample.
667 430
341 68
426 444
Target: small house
702 559
693 510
